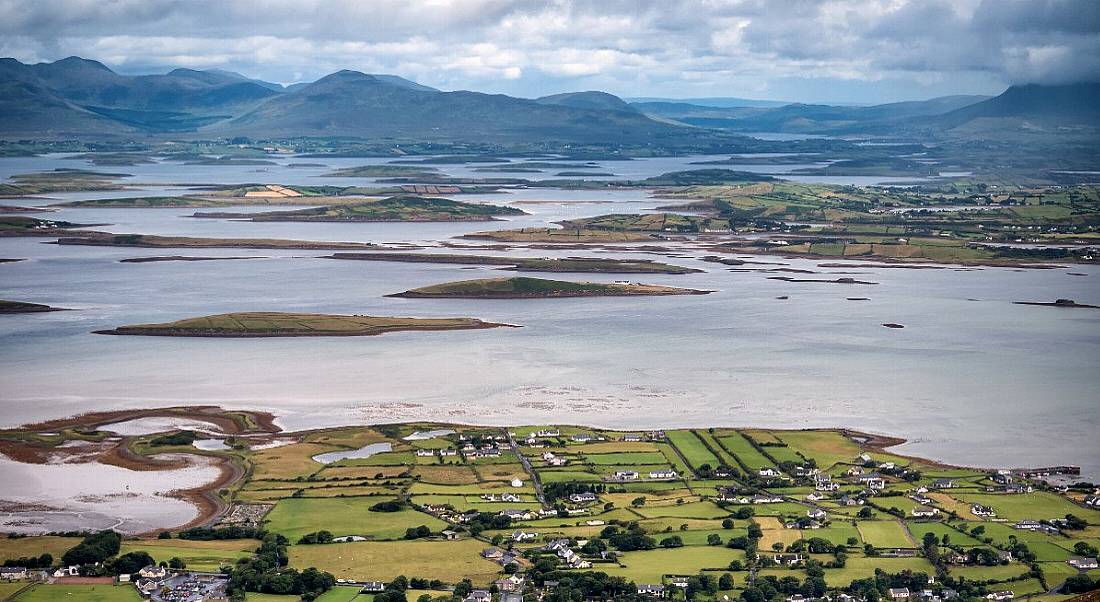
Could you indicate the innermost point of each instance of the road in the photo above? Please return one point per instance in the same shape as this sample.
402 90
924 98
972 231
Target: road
531 471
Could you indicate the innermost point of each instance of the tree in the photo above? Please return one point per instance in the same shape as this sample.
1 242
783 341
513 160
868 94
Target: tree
176 563
725 581
131 562
727 523
672 542
714 539
1079 584
755 532
638 502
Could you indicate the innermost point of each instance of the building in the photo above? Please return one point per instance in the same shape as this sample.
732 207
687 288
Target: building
651 589
626 475
12 573
943 484
788 559
924 512
980 510
899 593
1082 563
511 583
816 514
768 471
583 498
998 596
524 535
372 587
663 474
479 595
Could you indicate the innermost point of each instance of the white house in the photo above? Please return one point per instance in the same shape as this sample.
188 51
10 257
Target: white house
899 593
1082 563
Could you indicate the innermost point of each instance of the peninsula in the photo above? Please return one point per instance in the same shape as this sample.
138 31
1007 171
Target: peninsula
538 288
21 307
277 324
392 209
530 264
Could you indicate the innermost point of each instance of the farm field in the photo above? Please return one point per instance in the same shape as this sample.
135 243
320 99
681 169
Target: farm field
83 593
345 516
692 448
199 555
450 561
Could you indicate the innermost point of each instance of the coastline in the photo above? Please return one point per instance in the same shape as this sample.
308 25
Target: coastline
233 468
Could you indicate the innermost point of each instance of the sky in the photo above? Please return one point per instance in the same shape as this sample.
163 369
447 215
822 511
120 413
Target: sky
827 51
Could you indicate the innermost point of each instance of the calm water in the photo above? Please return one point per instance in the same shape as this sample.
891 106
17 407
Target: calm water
971 379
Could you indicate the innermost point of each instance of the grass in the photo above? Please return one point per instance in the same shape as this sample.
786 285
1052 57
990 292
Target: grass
275 324
344 516
626 458
989 573
688 510
199 555
692 448
1035 506
859 568
535 288
83 593
9 588
918 529
19 547
884 534
827 447
288 461
449 561
745 452
648 566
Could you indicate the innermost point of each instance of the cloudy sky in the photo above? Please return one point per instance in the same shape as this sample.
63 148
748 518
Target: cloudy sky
858 51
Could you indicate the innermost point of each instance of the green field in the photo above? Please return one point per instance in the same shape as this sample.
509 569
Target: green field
885 534
344 516
648 566
745 452
626 458
860 568
83 593
692 449
1033 506
199 555
450 561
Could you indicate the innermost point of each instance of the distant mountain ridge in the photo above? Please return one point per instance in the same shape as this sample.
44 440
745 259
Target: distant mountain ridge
76 97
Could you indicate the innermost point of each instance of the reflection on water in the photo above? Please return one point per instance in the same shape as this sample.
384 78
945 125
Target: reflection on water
363 452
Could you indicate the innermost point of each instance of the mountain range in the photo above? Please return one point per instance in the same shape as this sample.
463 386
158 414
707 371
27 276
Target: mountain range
81 98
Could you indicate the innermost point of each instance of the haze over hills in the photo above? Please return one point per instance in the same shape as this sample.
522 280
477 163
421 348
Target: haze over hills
76 97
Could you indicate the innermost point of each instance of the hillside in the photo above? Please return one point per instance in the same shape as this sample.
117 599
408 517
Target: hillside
349 103
1073 104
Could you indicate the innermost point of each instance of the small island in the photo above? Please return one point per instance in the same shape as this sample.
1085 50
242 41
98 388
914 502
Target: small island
538 288
530 264
22 307
560 235
1059 303
278 324
152 241
392 209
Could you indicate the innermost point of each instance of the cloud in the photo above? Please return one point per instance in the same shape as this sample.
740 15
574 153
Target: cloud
631 47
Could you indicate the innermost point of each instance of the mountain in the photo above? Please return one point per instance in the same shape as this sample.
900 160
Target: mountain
350 103
720 102
1072 104
807 118
588 100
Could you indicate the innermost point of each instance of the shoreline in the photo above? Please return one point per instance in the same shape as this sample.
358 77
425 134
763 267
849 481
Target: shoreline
210 506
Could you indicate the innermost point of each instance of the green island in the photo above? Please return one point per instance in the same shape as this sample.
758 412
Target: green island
559 235
538 288
440 512
104 239
60 180
279 324
382 171
959 222
22 307
392 209
530 264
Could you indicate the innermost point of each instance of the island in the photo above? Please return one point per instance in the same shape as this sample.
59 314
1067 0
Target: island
529 264
538 288
104 239
392 209
1058 303
560 235
161 258
22 307
279 324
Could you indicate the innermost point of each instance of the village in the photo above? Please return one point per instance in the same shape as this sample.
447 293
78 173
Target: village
512 515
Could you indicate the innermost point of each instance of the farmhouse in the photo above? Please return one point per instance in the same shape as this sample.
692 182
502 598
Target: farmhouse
998 596
583 498
1082 563
899 593
768 471
980 510
651 589
626 475
663 474
925 512
943 484
11 573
